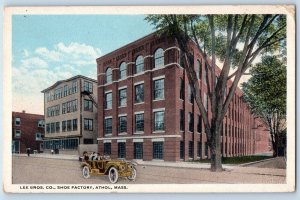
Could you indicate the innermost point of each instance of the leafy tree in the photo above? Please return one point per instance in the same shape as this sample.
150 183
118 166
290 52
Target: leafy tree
266 94
236 40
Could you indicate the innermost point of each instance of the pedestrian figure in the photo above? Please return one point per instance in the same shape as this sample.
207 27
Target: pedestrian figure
28 151
52 151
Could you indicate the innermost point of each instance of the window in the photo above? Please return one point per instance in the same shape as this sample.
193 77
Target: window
53 111
158 89
123 70
139 64
191 122
108 75
121 150
64 108
70 143
108 100
159 124
38 136
122 124
159 58
190 94
74 86
198 69
41 123
182 120
107 148
199 149
205 98
47 128
88 105
74 124
199 124
158 149
181 95
122 97
181 149
191 149
108 126
17 121
52 127
138 150
88 86
139 93
69 125
139 122
57 127
88 124
65 90
17 133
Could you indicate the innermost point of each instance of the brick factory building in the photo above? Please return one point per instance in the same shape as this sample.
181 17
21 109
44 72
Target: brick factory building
146 109
27 132
70 114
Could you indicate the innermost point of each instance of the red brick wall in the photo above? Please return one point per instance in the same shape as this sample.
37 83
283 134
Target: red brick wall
238 123
29 128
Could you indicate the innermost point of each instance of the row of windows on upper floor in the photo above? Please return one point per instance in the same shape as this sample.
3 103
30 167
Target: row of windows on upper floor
68 107
40 123
38 136
158 62
68 125
68 90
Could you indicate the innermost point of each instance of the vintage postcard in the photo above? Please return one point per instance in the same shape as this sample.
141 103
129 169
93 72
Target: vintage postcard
149 99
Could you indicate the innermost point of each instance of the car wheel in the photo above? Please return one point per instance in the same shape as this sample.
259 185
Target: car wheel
133 175
113 175
86 172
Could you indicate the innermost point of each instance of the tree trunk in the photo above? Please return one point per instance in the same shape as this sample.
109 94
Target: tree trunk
216 154
275 148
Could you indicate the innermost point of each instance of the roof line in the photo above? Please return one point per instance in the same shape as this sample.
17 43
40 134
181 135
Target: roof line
66 80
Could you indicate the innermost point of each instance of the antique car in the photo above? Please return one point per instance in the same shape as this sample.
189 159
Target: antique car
113 168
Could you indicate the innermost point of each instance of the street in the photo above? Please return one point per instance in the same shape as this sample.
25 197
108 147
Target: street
35 170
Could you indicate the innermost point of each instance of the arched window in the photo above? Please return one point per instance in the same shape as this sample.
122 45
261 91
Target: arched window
198 69
159 58
122 70
108 75
139 64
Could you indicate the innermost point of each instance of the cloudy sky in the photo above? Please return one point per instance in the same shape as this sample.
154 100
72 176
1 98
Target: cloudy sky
50 48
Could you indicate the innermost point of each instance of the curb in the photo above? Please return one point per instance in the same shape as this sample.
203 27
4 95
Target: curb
254 162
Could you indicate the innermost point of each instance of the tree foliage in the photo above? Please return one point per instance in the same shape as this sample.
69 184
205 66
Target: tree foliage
235 40
266 94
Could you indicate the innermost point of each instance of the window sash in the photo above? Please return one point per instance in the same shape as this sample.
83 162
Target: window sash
123 97
158 150
139 93
108 126
121 150
108 100
107 148
139 122
122 124
159 89
159 122
138 150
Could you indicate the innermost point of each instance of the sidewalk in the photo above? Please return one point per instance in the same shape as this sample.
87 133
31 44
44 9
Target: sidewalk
51 156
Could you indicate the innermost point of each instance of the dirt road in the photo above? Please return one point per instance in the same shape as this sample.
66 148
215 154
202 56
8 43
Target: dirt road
32 170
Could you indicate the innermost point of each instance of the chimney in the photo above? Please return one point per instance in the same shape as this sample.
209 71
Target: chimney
23 111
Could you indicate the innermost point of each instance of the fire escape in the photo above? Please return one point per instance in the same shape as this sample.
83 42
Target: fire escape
86 92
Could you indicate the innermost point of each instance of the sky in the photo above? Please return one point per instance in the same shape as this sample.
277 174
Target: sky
49 48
